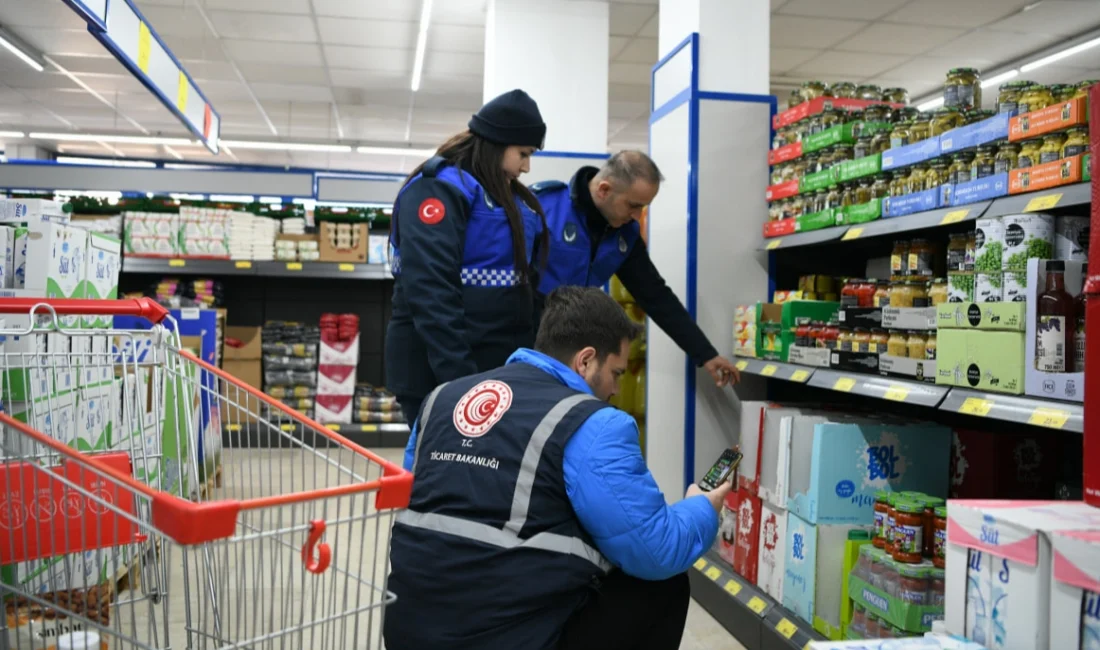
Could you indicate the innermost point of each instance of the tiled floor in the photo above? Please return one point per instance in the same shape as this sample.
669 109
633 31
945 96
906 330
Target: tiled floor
254 590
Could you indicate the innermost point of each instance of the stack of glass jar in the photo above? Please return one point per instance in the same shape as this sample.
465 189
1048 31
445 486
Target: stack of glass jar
845 90
913 584
910 526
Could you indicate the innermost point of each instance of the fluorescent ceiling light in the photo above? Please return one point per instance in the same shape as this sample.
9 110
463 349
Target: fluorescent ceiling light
421 43
103 162
929 105
286 146
1058 56
14 45
188 166
396 151
117 139
1000 78
12 134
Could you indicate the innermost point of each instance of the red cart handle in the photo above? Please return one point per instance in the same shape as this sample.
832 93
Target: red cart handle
324 552
147 308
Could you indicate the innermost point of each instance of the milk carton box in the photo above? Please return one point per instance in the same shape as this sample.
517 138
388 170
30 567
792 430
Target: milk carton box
7 257
999 563
775 449
813 575
19 257
103 261
1075 590
55 260
837 463
747 538
772 551
752 435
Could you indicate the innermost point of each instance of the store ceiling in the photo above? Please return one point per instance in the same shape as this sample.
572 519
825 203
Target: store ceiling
329 70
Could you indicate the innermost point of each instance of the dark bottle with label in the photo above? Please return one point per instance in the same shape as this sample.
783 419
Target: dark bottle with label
1079 330
1057 320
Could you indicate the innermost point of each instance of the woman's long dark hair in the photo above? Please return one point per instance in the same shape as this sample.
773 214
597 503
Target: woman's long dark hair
484 159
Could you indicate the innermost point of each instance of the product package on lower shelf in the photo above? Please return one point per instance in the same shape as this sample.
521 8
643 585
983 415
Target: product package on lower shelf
1075 590
897 597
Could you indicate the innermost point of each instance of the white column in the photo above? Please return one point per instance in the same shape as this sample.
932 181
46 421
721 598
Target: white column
556 51
706 222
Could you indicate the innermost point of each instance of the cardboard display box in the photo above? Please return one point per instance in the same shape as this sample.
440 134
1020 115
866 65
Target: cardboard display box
1045 175
1005 316
1075 590
1056 117
103 263
772 550
982 360
1068 386
814 569
358 243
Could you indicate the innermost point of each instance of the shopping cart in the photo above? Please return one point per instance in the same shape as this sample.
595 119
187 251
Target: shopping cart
112 467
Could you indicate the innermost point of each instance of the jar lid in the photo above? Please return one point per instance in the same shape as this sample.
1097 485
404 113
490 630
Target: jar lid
812 83
964 71
869 86
934 502
941 511
943 110
910 506
859 534
1087 82
937 573
890 90
913 570
1015 85
912 494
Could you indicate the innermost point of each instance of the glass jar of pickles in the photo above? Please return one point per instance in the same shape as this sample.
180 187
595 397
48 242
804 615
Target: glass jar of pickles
963 88
899 183
930 344
842 152
880 141
1029 153
959 170
937 293
916 178
831 118
862 147
936 174
882 294
898 344
812 90
982 165
899 137
920 128
915 341
862 192
775 211
1077 142
832 198
896 95
847 194
944 119
879 341
797 207
880 188
1005 160
1033 98
861 340
844 89
877 113
1009 94
1051 148
869 91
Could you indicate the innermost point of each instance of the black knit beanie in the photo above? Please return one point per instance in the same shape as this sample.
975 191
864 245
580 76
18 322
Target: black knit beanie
512 118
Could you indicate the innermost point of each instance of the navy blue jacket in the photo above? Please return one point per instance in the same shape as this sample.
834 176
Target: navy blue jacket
458 307
489 586
586 251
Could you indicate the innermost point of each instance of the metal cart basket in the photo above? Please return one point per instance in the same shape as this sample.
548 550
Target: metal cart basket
125 524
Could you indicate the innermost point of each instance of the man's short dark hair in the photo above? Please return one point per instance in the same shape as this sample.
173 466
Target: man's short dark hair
578 317
627 167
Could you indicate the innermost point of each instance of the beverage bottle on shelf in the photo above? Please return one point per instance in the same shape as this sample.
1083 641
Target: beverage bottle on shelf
639 391
1057 320
1079 330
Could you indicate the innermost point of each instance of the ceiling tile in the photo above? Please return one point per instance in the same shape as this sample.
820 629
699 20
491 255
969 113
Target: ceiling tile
279 53
183 20
953 13
924 69
438 64
847 65
368 58
778 4
615 45
456 12
884 38
400 10
1059 74
456 38
628 93
987 49
265 27
290 92
212 70
1061 17
369 80
266 6
376 33
630 73
849 9
650 28
627 110
35 13
785 58
220 91
639 50
276 73
628 19
186 49
89 64
62 41
797 31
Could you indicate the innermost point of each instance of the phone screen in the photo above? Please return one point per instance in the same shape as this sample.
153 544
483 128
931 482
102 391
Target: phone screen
719 470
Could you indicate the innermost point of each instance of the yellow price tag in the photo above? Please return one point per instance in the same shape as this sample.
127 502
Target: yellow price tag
733 587
346 267
287 427
293 266
808 646
897 392
1048 417
853 233
700 564
769 370
757 604
243 265
332 427
786 628
800 375
145 45
177 263
772 245
713 573
369 428
741 365
976 406
954 216
181 93
1043 202
844 384
233 427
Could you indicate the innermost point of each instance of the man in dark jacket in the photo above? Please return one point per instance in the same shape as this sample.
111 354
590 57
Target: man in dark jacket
534 522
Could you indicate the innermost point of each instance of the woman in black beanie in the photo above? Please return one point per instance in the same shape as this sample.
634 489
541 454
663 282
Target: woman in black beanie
467 239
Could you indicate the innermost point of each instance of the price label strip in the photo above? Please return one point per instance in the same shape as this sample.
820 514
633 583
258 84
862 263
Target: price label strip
786 628
1049 417
741 365
1043 202
293 266
757 604
844 384
954 216
853 233
772 245
769 370
800 375
177 263
733 587
700 564
897 392
347 268
713 573
243 265
976 406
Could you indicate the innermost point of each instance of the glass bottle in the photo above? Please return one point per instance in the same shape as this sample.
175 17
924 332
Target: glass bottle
1057 319
1079 330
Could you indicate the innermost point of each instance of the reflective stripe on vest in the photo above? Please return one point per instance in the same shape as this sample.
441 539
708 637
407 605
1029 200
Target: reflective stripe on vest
508 537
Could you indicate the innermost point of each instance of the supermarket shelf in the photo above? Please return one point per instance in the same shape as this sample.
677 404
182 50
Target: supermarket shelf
364 435
1067 416
750 615
132 264
886 388
1056 197
802 239
918 221
775 370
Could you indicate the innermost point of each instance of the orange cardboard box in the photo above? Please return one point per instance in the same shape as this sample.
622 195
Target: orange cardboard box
1041 177
1047 120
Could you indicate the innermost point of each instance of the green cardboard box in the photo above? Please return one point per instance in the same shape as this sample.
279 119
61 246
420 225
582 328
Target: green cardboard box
853 169
861 213
999 316
816 221
909 617
813 309
817 181
981 360
839 134
1086 167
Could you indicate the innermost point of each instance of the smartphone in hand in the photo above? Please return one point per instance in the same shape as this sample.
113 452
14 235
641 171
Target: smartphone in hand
722 470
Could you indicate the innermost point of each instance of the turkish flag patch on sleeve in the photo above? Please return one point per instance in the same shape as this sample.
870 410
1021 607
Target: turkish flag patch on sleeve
431 211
